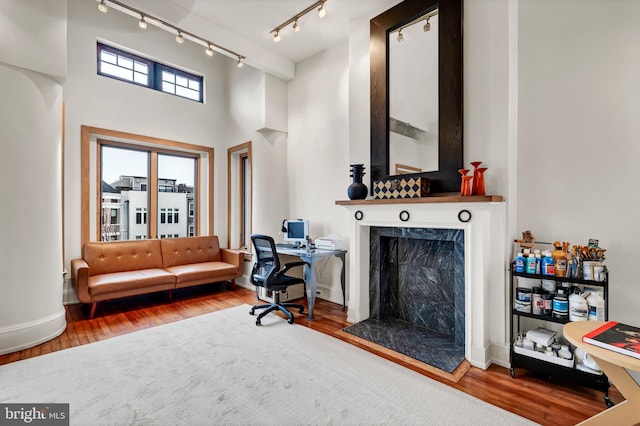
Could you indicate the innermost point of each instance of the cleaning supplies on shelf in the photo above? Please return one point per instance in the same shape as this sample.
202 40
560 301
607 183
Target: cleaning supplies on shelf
578 307
520 266
595 302
548 264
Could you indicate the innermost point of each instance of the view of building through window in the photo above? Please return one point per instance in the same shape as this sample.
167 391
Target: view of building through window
125 179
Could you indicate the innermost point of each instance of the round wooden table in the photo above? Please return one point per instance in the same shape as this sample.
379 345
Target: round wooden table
613 364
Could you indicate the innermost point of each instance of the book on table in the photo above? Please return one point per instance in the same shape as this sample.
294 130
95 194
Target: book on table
616 336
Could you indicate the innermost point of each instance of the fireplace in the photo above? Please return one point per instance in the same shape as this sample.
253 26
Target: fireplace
473 318
416 294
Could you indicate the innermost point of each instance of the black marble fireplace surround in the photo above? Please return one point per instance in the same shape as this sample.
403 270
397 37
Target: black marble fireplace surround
416 293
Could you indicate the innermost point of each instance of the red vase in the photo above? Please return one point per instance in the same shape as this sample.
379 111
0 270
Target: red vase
478 181
465 189
474 188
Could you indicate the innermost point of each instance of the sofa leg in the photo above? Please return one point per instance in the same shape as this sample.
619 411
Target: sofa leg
94 306
233 284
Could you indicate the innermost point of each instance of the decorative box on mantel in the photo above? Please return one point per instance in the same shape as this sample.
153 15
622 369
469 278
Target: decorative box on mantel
403 187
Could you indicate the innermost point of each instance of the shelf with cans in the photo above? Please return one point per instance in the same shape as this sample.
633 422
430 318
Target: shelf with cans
541 301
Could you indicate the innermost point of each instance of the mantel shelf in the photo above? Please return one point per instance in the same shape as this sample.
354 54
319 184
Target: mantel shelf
444 198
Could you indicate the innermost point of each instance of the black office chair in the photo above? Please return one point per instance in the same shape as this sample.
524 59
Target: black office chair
266 273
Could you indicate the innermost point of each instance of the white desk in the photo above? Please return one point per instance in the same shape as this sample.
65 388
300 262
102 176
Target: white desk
311 280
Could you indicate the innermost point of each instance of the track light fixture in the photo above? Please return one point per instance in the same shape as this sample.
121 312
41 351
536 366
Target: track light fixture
426 27
146 18
321 10
294 19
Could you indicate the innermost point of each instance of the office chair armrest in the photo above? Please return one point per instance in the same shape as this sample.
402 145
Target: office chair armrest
290 265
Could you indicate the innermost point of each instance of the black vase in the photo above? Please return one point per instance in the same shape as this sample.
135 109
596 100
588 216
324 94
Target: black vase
357 190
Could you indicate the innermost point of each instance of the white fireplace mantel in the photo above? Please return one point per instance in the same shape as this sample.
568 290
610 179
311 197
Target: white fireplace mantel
486 324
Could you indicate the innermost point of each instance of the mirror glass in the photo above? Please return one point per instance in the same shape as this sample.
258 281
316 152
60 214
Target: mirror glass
413 96
416 93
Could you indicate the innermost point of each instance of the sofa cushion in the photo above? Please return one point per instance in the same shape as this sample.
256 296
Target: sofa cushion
202 271
123 281
117 256
189 250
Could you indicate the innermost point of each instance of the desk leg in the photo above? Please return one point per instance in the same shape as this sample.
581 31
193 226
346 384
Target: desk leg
311 282
625 412
344 294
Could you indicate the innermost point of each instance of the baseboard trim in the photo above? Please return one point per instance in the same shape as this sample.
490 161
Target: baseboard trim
28 335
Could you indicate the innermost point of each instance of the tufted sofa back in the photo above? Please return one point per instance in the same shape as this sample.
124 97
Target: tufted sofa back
185 251
104 257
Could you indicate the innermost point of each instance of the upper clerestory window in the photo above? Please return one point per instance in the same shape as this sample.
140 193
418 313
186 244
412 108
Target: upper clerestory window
125 66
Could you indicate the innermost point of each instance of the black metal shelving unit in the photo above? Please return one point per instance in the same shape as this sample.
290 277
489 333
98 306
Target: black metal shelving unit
548 369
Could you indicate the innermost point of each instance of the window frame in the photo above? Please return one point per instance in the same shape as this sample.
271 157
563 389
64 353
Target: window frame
90 140
154 75
237 229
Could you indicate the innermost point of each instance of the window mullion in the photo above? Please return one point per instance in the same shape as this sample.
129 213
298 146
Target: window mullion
153 194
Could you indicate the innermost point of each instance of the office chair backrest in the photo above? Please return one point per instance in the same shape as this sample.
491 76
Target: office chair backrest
267 262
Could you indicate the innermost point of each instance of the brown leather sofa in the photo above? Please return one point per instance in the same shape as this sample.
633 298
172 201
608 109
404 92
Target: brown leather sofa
115 269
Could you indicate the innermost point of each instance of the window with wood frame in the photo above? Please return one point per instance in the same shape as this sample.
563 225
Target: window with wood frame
135 179
239 178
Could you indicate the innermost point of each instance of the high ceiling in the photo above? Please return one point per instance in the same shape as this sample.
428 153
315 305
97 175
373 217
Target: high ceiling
245 25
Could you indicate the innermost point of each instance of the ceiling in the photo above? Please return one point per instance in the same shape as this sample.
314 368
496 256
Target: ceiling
244 26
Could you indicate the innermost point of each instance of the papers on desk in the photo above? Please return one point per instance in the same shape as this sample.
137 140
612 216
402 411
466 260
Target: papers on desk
332 242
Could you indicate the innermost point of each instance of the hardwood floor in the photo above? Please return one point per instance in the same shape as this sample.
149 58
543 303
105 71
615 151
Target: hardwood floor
532 397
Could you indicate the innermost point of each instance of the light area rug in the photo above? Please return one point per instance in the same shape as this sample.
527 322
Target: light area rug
220 368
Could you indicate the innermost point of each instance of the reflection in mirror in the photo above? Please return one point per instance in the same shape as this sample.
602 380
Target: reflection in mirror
413 96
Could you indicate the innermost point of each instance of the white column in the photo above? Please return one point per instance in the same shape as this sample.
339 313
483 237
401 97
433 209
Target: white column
31 308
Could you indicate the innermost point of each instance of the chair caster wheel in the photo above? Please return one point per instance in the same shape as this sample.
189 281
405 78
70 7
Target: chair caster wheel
301 310
252 312
258 322
290 320
608 402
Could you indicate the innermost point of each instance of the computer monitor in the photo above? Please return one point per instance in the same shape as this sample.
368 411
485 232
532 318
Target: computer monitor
297 231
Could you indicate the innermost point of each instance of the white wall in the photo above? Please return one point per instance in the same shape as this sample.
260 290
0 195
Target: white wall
31 308
34 26
318 150
578 131
227 117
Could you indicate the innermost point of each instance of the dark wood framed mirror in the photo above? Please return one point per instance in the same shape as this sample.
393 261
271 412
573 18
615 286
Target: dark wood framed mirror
446 178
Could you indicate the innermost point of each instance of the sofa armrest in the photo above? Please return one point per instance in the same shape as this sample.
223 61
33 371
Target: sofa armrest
80 279
234 257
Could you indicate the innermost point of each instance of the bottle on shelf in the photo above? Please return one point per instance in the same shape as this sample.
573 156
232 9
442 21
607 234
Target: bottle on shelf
578 307
538 257
530 263
560 260
520 267
548 264
595 302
